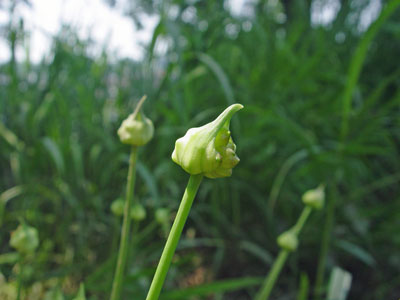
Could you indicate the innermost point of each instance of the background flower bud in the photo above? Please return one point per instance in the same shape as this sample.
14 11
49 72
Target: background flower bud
25 239
117 207
315 198
162 215
138 212
209 149
137 129
288 240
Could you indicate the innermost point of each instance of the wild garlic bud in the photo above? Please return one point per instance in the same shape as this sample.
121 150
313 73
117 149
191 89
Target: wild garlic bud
25 239
138 213
288 240
208 150
137 129
162 215
315 198
117 207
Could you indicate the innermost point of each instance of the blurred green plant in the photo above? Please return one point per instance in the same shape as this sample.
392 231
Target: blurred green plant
288 240
136 131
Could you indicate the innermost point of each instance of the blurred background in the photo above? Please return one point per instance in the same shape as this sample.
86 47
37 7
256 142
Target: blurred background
320 82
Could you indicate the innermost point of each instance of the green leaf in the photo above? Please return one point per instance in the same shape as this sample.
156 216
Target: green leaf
304 287
10 137
54 294
81 293
211 288
11 193
357 252
55 153
9 258
220 74
339 284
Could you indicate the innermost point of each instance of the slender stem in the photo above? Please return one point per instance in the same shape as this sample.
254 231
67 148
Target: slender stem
281 259
21 263
133 242
302 219
173 238
326 237
272 275
123 247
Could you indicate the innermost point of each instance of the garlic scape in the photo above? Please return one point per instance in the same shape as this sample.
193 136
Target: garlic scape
209 149
288 240
136 129
315 198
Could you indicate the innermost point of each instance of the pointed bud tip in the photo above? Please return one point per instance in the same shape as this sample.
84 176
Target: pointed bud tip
208 149
234 108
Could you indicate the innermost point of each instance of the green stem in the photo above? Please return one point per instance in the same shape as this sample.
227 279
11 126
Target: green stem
273 275
135 229
123 247
173 238
281 259
19 279
302 219
326 236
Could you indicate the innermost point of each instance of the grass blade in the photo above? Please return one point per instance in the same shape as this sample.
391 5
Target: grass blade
339 284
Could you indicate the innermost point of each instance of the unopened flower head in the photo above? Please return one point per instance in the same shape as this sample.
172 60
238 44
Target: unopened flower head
138 212
162 215
117 207
315 198
25 239
209 150
137 129
288 240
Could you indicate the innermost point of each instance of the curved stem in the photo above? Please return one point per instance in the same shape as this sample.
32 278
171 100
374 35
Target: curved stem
123 247
173 238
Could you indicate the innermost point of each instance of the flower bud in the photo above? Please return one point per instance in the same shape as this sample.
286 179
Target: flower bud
315 198
138 213
162 215
137 129
208 150
117 207
25 239
288 240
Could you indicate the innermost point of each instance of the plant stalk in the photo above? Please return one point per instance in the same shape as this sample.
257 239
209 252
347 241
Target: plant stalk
276 269
326 237
173 238
273 275
302 219
125 231
19 280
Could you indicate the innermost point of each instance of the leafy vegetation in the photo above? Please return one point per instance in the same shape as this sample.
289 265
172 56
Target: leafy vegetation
322 105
